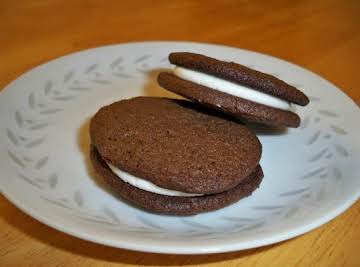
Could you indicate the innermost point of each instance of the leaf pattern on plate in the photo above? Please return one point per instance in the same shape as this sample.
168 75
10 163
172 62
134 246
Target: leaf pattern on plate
48 87
30 181
338 130
64 98
195 224
238 219
78 198
39 126
91 68
50 111
268 207
35 142
142 58
41 162
16 159
11 136
329 156
53 180
57 203
327 113
31 100
97 221
313 138
116 62
68 76
149 223
313 173
253 227
341 150
108 212
19 119
291 212
294 192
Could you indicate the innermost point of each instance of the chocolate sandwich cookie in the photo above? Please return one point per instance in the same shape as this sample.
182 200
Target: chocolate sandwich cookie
173 156
234 89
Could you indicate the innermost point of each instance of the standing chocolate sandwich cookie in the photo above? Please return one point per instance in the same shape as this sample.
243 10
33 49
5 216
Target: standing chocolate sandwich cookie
235 89
173 156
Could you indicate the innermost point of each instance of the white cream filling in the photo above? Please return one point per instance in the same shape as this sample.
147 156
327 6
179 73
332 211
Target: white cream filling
146 185
230 88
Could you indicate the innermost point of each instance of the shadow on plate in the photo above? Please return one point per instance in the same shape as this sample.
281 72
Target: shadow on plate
262 130
152 88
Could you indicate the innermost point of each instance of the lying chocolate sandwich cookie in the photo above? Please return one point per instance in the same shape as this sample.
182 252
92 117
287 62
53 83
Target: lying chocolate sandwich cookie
232 88
172 156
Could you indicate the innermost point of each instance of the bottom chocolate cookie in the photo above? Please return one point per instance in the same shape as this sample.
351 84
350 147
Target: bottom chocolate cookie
175 205
240 108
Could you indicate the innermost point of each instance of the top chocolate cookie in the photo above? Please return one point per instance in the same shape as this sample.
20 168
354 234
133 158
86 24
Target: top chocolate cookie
240 74
175 144
233 88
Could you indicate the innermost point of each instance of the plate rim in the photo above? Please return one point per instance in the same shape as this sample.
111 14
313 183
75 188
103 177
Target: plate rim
156 248
159 247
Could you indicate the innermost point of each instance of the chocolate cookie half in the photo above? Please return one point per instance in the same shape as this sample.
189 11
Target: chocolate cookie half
173 156
234 89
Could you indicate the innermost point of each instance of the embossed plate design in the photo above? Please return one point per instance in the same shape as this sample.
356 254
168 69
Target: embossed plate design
311 173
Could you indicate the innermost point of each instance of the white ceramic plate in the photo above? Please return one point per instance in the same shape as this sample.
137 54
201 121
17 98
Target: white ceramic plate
311 173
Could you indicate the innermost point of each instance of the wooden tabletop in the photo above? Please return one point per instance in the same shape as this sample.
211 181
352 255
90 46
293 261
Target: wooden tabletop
323 36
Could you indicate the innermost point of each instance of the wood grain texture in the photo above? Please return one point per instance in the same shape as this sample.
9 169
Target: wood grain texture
323 36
